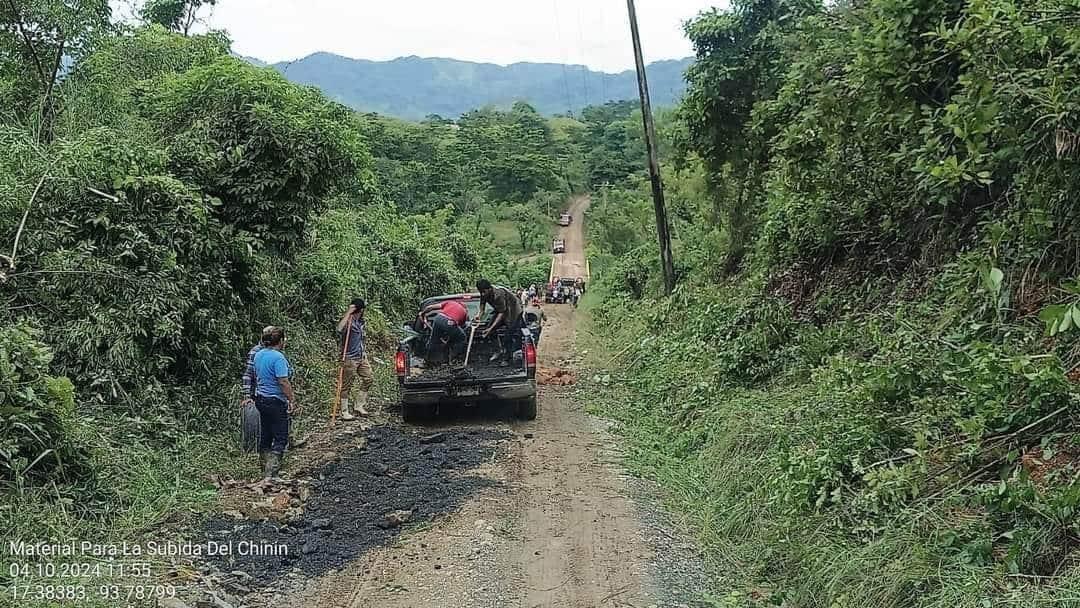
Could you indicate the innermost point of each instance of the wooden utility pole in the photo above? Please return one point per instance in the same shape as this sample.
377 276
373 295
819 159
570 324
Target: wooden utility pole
662 231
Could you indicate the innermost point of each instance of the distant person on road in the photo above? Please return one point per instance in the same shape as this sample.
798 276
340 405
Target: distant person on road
576 295
535 317
351 329
275 399
447 333
507 315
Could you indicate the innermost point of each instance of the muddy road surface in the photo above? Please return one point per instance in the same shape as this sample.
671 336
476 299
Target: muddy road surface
472 510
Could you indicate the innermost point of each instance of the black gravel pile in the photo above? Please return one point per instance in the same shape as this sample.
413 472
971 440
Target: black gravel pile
455 372
346 512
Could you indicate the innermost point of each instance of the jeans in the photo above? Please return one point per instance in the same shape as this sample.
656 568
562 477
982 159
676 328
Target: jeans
275 424
512 339
442 327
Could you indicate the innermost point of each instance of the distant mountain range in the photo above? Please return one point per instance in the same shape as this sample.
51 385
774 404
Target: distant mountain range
415 87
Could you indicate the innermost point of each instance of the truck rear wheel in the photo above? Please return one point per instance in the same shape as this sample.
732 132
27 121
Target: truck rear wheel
416 412
526 408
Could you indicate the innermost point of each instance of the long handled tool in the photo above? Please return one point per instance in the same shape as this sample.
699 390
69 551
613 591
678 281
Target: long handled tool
468 349
340 376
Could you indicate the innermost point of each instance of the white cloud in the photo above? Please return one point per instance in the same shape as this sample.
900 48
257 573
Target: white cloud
591 32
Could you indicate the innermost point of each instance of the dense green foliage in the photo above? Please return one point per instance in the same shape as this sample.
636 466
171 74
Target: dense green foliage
172 201
863 389
176 15
415 88
504 176
39 412
486 156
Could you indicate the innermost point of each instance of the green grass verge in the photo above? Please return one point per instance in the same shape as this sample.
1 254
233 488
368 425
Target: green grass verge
144 493
720 466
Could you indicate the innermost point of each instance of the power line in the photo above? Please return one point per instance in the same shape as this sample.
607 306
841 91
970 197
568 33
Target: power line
562 52
584 65
603 74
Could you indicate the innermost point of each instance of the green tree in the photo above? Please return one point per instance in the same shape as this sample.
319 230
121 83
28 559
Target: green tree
270 151
176 15
525 220
511 154
740 63
35 38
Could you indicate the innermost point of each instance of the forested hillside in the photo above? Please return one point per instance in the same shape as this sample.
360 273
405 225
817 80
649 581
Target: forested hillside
161 201
416 87
863 391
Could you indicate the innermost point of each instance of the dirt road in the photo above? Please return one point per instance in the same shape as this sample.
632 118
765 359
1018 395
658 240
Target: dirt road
572 263
505 513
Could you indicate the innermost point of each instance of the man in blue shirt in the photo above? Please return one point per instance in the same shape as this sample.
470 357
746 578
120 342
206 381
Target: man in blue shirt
356 362
274 398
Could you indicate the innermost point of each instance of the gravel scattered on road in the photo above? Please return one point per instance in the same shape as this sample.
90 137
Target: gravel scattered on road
353 501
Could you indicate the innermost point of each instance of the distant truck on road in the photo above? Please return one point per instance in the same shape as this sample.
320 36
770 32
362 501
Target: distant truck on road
565 219
424 389
558 246
559 290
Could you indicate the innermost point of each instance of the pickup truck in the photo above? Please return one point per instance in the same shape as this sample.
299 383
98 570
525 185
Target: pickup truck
565 218
559 290
558 246
425 389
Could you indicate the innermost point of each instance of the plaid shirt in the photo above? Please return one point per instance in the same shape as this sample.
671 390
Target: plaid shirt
354 350
247 381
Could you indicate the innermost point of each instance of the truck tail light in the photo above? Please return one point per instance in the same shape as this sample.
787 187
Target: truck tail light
530 355
400 363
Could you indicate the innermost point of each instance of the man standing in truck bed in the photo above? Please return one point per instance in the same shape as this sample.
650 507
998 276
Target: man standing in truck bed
507 314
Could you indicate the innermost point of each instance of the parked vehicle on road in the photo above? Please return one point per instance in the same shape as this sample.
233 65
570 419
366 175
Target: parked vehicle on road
565 219
425 389
560 290
558 246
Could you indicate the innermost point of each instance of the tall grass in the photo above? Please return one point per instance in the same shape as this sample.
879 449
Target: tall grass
720 462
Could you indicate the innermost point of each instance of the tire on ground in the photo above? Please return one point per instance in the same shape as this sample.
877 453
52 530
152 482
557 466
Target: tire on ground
416 412
250 428
526 408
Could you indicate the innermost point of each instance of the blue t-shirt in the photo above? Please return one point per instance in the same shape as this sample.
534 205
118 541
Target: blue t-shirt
270 364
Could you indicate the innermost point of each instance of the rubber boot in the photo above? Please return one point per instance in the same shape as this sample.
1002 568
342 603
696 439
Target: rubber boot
361 404
272 466
346 414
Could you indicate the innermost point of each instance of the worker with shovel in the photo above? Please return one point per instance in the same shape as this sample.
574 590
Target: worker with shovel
354 361
507 315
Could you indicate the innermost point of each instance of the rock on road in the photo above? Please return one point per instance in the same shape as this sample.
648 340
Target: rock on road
560 524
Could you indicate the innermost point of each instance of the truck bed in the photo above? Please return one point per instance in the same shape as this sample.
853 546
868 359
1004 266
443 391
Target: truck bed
480 368
443 373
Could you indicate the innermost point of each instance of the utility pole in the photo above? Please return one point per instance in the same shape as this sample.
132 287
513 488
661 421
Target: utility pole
662 231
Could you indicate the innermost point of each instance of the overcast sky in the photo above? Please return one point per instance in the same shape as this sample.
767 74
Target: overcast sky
591 32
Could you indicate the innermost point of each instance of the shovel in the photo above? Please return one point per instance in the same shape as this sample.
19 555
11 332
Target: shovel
468 350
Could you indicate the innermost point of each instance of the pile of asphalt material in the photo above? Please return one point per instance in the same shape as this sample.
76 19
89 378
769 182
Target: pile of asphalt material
480 369
362 501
